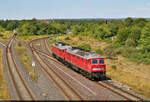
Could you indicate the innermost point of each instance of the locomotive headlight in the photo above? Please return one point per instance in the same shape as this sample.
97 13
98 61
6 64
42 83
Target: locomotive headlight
98 68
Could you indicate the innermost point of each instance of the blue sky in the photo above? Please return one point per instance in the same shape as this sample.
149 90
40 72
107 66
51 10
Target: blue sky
48 9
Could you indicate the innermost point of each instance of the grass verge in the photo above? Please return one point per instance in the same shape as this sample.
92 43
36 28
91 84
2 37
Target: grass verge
25 60
4 93
5 35
31 37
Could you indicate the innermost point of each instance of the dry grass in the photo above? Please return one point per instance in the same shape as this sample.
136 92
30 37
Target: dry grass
25 60
77 40
136 76
4 93
6 35
29 38
136 80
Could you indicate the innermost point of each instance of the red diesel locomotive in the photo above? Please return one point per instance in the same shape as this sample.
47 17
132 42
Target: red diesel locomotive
88 63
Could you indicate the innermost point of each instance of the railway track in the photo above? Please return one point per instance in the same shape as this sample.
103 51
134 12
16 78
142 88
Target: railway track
118 91
126 95
19 85
66 89
3 44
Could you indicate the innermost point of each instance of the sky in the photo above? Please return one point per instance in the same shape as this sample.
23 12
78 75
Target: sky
64 9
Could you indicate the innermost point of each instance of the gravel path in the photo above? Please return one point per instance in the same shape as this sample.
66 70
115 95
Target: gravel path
9 85
49 90
6 73
26 76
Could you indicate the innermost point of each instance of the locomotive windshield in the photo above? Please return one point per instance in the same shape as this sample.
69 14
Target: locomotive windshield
94 62
101 61
97 61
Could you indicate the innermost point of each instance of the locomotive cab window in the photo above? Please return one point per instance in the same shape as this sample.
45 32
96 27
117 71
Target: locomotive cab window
94 62
101 61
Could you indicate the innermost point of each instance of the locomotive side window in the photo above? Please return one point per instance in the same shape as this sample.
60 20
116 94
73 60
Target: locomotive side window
101 61
94 62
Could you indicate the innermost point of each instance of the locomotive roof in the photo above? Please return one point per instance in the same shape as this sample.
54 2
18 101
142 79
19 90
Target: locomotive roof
87 54
83 53
61 45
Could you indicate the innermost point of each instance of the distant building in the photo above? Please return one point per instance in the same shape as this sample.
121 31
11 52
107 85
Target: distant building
45 21
69 31
137 48
112 37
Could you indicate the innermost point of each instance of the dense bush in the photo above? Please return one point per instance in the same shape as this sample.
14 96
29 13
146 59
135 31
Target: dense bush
37 28
99 51
80 38
67 38
33 27
127 34
85 46
144 42
112 50
114 67
1 35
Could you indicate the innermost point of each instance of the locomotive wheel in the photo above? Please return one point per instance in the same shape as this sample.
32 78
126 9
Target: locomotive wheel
100 78
91 77
53 55
87 75
104 77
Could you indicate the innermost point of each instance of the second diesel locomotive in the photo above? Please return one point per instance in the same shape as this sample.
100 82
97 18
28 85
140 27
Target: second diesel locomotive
86 62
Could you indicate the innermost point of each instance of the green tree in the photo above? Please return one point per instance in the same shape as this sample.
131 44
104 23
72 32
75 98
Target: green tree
122 35
134 36
144 42
103 32
113 29
140 22
77 29
11 25
28 29
61 27
42 28
129 21
85 46
1 29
